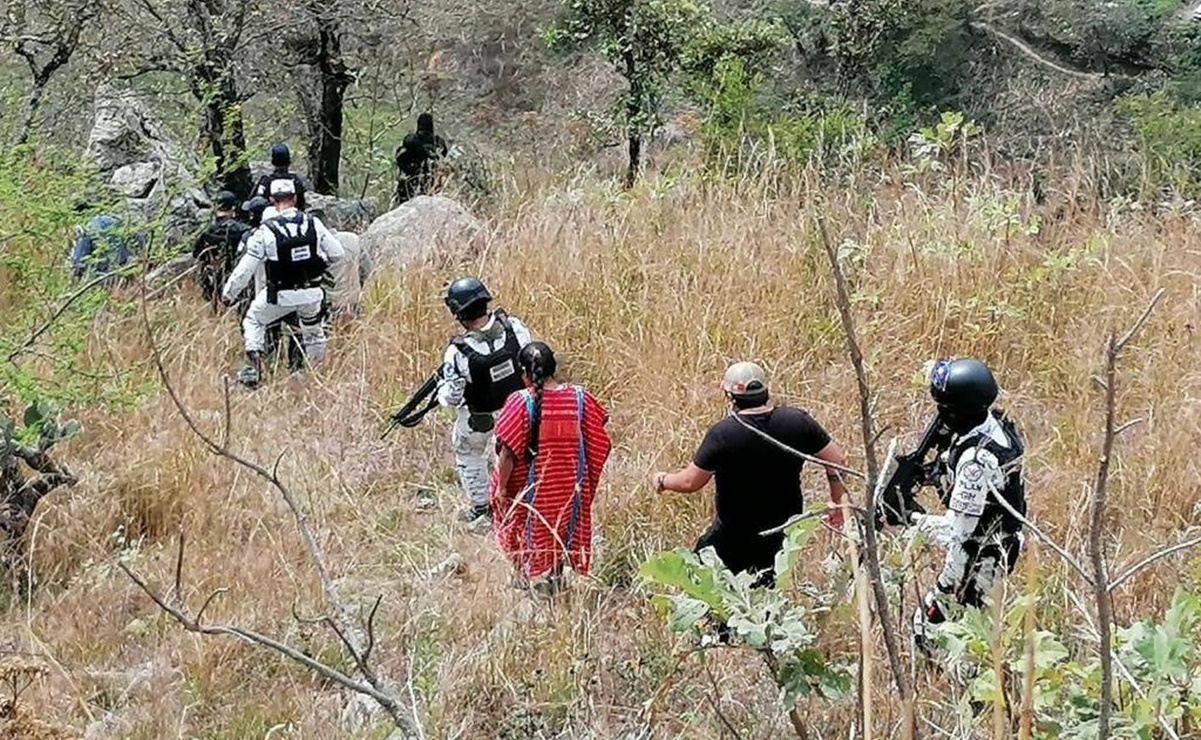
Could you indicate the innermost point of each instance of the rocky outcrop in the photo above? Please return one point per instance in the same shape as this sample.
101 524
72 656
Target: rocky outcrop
341 214
428 229
145 165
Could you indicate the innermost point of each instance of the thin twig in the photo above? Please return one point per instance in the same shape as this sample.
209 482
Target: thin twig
804 456
1142 319
1133 570
62 308
843 303
714 697
338 620
412 694
1102 593
256 638
178 592
870 551
1128 425
1043 537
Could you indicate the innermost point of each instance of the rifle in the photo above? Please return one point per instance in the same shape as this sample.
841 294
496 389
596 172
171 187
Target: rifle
409 415
904 474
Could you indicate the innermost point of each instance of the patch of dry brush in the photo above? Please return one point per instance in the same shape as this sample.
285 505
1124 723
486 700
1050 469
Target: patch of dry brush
647 295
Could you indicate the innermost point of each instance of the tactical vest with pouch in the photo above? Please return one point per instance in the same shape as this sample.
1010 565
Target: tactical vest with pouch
297 264
492 377
995 518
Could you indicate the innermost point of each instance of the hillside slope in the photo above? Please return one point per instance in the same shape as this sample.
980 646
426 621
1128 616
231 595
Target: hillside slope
647 295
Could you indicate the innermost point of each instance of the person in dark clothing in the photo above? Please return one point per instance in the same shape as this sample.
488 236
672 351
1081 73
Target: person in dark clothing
417 158
216 248
281 160
758 484
102 245
978 473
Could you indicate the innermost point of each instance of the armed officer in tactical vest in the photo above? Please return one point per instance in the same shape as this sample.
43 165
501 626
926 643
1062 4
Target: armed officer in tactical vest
281 163
479 371
979 477
217 246
288 257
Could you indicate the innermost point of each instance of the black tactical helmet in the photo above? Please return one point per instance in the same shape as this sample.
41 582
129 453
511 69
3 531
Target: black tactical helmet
963 389
254 209
281 156
465 294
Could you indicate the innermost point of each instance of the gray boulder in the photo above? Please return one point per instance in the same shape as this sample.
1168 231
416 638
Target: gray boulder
341 214
429 229
145 165
349 273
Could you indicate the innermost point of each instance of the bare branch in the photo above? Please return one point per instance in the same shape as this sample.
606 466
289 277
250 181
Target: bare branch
807 458
1142 320
1146 562
62 308
843 303
1043 537
870 550
191 625
178 593
338 620
204 607
1128 425
1102 592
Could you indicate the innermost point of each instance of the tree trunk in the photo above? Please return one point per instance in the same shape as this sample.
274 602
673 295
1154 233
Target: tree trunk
32 103
226 134
634 119
635 158
325 127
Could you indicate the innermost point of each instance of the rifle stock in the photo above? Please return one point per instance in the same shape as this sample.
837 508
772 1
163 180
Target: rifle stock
908 473
409 415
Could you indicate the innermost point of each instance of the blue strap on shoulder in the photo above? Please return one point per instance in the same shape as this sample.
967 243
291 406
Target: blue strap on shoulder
530 476
581 468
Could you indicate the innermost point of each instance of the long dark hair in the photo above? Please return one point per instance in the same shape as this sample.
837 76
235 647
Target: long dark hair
538 361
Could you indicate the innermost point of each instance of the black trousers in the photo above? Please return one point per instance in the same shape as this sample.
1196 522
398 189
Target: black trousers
744 551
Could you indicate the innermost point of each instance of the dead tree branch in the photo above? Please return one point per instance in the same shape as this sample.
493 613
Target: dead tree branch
358 645
193 624
1042 536
870 551
62 308
1134 570
1102 593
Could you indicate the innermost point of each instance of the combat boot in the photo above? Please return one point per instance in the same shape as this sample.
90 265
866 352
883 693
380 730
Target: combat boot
250 375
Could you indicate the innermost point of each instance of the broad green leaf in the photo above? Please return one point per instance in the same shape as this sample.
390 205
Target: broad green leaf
686 612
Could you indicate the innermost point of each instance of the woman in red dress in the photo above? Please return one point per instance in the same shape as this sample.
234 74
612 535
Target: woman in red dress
542 512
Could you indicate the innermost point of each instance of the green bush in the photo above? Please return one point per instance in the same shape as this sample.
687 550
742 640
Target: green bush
743 121
1169 141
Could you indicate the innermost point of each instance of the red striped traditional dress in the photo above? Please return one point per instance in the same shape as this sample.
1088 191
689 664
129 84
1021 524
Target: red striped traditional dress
536 522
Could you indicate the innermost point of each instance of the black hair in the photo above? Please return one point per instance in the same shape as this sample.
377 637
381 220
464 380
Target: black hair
537 360
425 123
753 400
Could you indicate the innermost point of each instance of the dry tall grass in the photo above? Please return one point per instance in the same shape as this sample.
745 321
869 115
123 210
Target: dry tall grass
647 295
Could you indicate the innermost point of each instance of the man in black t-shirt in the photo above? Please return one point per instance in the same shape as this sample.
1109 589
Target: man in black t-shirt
758 483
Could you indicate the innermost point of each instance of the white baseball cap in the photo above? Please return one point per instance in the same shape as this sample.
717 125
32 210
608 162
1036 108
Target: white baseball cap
282 186
744 379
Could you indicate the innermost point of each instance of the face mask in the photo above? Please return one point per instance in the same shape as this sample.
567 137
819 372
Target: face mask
959 421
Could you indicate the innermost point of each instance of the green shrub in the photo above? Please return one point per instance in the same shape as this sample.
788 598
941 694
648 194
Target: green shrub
742 121
1169 141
